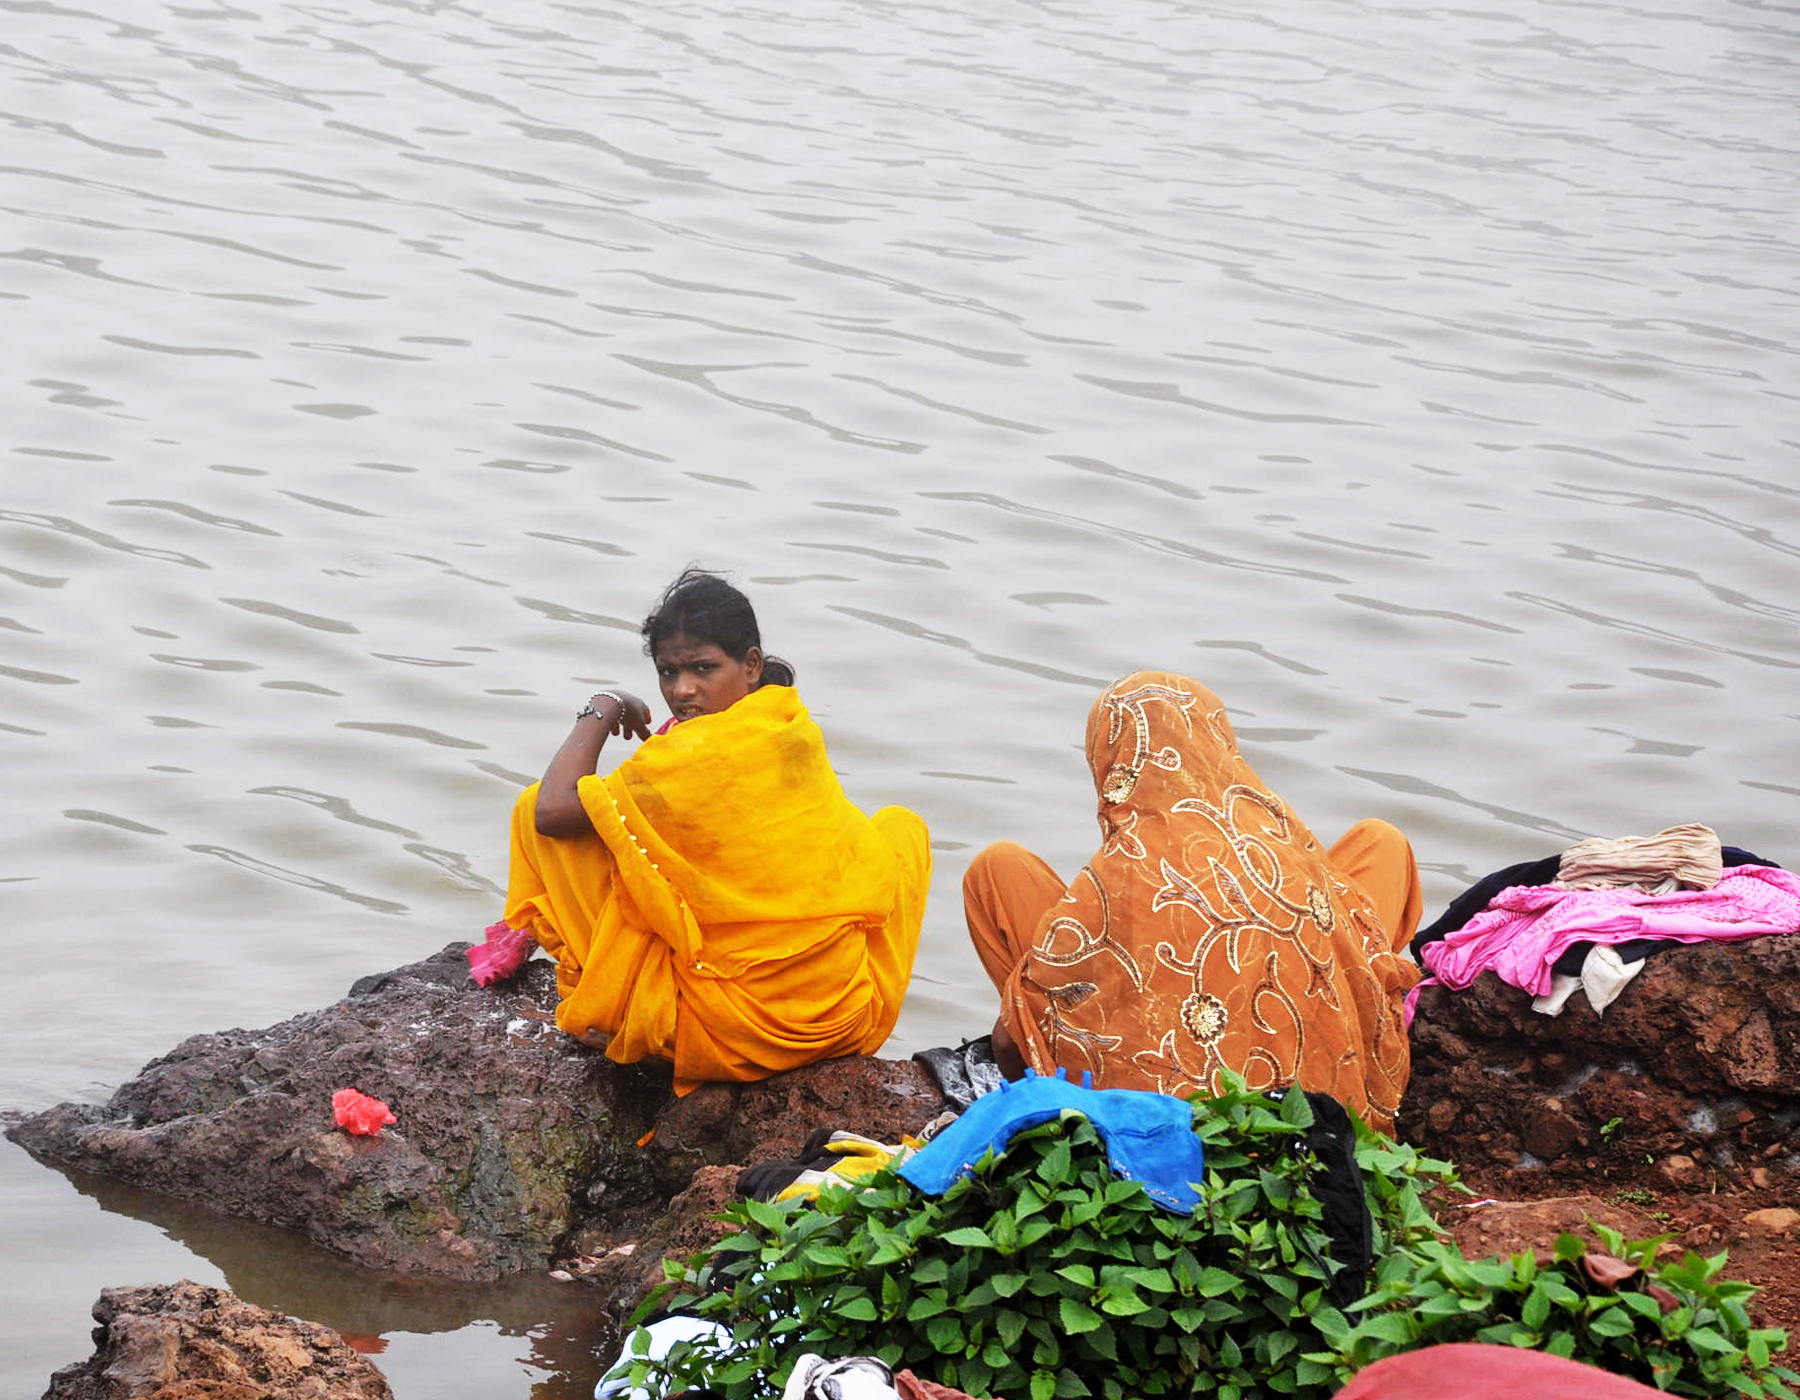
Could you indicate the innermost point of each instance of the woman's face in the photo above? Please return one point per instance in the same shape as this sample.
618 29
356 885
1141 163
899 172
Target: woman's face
698 678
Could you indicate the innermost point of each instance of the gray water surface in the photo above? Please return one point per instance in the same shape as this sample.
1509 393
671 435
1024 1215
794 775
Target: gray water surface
1420 377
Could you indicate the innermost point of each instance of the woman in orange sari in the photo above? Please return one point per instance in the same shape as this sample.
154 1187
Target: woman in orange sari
1210 931
716 900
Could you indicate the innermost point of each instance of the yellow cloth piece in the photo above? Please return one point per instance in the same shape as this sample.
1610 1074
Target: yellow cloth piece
858 1158
734 913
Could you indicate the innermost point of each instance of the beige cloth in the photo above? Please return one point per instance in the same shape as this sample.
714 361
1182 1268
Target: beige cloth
1677 858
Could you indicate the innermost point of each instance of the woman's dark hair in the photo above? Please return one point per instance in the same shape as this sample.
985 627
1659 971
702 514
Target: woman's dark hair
705 607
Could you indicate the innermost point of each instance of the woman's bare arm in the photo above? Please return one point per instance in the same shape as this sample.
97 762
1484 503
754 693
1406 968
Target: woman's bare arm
559 809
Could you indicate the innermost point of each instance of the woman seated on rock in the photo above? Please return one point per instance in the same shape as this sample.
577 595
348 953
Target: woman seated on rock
1210 931
716 900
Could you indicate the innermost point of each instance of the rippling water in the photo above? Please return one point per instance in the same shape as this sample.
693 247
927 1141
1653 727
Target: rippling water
1420 377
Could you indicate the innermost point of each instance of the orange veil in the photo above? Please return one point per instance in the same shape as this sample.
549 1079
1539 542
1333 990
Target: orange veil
1211 931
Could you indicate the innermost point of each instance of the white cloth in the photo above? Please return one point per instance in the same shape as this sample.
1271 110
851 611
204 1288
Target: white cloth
1562 986
852 1378
662 1335
1603 976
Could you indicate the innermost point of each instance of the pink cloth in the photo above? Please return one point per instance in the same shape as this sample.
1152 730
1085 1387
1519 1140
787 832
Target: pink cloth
502 955
360 1114
1520 935
1483 1371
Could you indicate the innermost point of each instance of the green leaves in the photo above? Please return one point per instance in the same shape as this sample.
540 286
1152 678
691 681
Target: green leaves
1078 1318
1702 1346
1044 1276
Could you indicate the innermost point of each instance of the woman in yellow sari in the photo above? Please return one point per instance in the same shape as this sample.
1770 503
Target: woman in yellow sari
716 900
1210 931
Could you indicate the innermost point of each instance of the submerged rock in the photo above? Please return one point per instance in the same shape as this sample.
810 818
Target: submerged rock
185 1341
515 1145
1698 1062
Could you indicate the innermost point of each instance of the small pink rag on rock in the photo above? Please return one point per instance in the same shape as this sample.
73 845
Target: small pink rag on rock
360 1114
502 955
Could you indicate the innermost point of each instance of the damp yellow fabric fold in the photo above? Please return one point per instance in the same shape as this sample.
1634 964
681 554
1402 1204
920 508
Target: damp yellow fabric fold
733 913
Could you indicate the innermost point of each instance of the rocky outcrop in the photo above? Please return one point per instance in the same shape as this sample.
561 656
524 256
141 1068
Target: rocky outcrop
1697 1063
515 1145
184 1341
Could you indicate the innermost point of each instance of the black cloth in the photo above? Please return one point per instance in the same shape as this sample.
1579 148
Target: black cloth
1543 872
1336 1182
965 1073
766 1180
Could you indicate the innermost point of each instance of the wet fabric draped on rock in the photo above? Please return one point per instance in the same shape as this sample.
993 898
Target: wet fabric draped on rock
733 912
1211 931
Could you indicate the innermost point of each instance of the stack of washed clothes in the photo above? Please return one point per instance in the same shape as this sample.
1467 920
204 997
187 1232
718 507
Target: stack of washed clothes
1587 918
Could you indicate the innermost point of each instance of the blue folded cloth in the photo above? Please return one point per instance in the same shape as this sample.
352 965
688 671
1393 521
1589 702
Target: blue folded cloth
1149 1137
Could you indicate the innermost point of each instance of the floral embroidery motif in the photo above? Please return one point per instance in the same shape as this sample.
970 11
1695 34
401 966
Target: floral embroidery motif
1203 1014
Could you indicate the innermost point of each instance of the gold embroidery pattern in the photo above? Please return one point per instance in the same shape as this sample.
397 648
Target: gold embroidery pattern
1059 1033
1087 943
1122 778
1213 934
1119 835
1203 1014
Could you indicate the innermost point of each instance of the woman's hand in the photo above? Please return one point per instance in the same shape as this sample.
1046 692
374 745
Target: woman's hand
607 712
632 717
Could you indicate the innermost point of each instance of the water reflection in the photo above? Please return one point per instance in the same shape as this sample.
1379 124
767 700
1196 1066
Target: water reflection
561 1330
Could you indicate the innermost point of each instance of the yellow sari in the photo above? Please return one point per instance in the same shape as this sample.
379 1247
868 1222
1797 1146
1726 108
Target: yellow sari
733 912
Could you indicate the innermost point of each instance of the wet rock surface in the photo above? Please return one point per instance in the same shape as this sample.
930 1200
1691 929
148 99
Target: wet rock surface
185 1341
515 1145
519 1150
1697 1062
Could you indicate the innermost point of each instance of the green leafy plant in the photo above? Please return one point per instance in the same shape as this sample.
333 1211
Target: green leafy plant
1678 1326
1043 1277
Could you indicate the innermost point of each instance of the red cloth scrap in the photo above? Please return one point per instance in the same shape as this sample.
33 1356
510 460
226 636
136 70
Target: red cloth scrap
360 1114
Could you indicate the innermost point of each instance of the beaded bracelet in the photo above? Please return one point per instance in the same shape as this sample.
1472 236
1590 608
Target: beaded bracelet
588 709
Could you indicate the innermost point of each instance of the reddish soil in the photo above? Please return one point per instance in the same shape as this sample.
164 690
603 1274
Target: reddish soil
1530 1210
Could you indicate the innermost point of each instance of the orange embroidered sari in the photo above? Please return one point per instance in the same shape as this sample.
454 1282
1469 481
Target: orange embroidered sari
1211 931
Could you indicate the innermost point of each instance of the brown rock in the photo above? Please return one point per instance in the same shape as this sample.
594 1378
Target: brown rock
185 1341
1550 1130
512 1141
744 1124
1680 1171
628 1272
1689 1053
1781 1220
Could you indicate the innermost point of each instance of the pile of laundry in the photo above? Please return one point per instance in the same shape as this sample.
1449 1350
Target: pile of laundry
1586 919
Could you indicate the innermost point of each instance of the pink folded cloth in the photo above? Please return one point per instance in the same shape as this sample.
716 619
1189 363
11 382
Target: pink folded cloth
358 1113
1526 928
502 955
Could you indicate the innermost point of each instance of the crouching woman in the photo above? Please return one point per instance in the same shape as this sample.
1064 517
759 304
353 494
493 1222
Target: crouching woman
716 900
